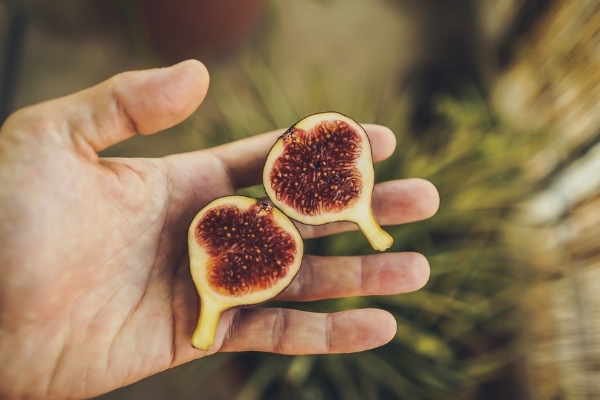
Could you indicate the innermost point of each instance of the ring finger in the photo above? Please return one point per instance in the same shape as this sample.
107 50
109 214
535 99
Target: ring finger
335 277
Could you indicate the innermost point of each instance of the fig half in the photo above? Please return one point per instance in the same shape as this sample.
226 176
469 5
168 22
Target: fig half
242 252
321 170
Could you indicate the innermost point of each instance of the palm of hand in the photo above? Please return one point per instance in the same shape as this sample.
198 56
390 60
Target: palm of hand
96 290
117 303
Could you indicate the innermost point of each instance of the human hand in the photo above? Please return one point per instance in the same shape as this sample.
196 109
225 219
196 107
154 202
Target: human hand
96 291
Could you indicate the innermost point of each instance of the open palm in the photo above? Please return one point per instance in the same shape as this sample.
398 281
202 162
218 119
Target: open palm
96 291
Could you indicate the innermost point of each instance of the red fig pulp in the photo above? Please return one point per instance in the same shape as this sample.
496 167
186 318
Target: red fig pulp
321 170
242 252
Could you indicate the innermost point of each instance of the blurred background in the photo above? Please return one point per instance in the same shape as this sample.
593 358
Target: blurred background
497 102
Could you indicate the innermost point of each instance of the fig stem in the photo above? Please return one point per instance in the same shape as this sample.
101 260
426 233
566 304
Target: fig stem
204 335
377 237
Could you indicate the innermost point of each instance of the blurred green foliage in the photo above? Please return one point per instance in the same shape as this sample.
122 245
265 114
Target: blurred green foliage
462 329
463 326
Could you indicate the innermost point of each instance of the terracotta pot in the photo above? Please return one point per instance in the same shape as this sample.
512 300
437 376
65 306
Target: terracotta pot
189 28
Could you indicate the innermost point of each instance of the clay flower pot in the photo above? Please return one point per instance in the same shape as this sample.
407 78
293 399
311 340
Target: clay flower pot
188 28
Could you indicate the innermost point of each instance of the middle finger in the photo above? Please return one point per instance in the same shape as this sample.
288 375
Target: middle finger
335 277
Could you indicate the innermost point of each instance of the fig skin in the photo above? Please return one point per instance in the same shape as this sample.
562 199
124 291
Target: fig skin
357 169
210 260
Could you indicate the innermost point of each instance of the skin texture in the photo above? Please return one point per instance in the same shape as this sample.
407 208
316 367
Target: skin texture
96 291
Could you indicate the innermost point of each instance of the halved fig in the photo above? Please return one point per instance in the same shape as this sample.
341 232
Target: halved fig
321 170
242 252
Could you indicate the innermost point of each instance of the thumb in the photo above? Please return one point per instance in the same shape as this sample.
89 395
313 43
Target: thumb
142 102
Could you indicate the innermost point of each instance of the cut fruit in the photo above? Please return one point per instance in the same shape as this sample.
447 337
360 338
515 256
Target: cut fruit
321 170
242 252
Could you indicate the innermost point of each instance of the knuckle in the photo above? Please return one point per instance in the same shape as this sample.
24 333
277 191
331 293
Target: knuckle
278 331
33 121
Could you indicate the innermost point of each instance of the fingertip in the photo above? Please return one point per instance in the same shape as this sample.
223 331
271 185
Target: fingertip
428 195
160 98
419 270
190 82
198 72
387 326
194 64
382 327
383 141
405 200
434 197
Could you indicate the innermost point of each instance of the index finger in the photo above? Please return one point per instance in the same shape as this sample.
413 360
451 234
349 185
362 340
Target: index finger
244 159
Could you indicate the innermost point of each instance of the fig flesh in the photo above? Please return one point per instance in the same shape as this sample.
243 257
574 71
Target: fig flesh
321 170
242 252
